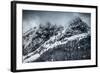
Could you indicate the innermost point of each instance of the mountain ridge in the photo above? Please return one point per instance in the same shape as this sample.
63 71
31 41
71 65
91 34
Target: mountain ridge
52 36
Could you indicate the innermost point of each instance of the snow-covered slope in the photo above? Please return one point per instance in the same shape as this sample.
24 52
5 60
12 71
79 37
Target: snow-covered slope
46 46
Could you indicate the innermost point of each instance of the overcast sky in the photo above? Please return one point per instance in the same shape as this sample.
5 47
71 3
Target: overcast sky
32 18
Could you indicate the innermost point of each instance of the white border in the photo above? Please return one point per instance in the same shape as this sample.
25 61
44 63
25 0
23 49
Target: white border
21 66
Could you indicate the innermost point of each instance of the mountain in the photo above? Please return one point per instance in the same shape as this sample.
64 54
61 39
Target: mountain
56 43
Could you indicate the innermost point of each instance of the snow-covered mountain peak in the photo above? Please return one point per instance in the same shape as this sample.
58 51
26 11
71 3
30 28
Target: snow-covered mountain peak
49 37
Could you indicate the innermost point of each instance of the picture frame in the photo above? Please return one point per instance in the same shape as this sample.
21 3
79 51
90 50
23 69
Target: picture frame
48 36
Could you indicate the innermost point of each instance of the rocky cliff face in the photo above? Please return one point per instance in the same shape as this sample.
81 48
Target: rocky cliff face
57 43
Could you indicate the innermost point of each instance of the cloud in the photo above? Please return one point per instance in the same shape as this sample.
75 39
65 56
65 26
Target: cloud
32 18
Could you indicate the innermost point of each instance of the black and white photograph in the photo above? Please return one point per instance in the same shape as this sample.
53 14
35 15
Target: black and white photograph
56 36
48 36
